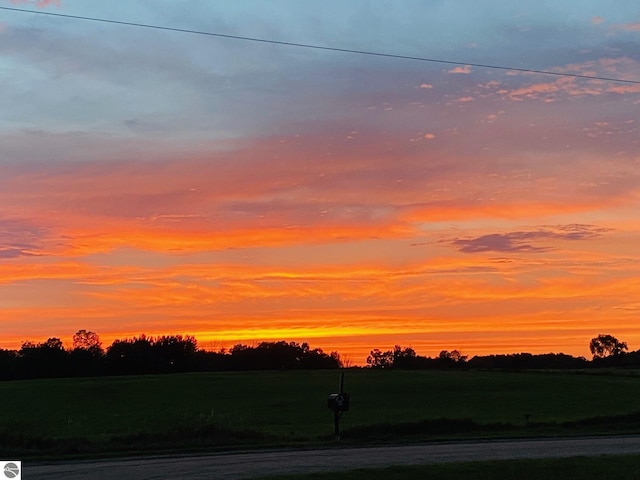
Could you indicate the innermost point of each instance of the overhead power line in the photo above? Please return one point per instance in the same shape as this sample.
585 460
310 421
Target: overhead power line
326 48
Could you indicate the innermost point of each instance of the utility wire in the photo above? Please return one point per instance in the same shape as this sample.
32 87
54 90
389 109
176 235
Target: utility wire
321 47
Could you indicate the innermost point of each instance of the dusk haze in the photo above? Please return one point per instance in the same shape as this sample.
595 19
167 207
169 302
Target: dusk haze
204 168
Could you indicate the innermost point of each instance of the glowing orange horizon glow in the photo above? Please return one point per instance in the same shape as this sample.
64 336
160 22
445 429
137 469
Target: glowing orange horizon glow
354 346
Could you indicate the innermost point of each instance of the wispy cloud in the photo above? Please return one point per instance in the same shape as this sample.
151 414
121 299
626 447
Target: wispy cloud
14 252
522 241
621 67
465 70
22 238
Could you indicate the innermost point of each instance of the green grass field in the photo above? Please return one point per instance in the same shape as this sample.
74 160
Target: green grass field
173 411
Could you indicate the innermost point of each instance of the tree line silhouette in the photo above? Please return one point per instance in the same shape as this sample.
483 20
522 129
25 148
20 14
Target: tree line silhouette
607 351
177 353
153 355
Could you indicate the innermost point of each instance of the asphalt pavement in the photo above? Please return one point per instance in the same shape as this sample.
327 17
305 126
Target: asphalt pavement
243 465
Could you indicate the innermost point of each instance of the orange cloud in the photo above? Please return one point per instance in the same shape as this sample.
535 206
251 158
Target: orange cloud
461 70
623 68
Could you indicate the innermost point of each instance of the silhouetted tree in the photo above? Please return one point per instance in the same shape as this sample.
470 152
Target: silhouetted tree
131 356
86 363
317 359
337 360
87 358
85 340
606 345
212 361
398 358
175 353
379 359
8 364
451 359
53 344
454 355
281 355
404 358
629 359
527 361
47 359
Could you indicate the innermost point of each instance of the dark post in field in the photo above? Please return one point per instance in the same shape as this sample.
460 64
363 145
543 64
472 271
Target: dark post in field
338 403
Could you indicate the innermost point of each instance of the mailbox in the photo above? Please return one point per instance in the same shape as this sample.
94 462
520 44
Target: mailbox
338 402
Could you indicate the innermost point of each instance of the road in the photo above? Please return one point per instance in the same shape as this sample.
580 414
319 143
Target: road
241 465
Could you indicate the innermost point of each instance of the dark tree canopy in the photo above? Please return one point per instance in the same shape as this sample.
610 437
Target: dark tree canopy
379 359
407 359
131 356
47 359
527 361
85 340
52 344
606 346
454 356
281 355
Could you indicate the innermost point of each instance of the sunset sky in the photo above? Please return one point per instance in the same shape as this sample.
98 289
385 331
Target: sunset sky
162 182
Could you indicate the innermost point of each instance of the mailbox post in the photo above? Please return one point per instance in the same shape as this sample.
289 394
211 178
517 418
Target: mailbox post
338 403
